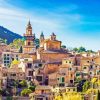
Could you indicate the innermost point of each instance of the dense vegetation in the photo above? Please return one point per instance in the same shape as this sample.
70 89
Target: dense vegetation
82 49
18 43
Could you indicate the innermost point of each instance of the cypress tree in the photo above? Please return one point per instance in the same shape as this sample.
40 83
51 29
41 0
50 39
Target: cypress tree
98 95
21 50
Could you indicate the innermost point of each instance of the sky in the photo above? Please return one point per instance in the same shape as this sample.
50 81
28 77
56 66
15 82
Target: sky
75 22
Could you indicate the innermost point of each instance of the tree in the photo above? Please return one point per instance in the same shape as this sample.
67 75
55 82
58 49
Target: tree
75 49
32 88
23 83
86 86
0 91
21 50
26 92
63 46
98 95
81 49
17 43
90 51
37 42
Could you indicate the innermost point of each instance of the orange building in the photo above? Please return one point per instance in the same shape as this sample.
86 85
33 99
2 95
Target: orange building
50 49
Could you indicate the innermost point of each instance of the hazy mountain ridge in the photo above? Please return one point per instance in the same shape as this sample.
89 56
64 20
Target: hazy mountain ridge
8 35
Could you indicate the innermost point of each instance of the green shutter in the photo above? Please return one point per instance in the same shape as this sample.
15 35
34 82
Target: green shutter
63 79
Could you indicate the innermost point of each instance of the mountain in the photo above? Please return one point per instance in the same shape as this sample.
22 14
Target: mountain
8 35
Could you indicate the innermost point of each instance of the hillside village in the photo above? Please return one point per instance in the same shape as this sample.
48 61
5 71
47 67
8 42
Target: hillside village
48 72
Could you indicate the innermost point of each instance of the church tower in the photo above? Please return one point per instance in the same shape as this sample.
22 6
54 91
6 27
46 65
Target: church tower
29 39
53 37
41 39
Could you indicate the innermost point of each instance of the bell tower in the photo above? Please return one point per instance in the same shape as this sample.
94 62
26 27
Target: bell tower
29 29
53 37
41 37
29 39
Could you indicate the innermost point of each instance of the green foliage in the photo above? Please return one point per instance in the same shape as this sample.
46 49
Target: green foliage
7 35
77 80
0 91
37 42
17 43
86 86
98 95
63 46
21 49
82 49
23 83
75 49
9 98
32 88
3 40
90 51
26 92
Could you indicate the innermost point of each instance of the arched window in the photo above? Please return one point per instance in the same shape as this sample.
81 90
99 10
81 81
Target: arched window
29 43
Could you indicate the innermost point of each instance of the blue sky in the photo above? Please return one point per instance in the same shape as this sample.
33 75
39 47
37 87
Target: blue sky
75 22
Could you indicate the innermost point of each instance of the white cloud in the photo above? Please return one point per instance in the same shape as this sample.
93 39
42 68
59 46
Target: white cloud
12 17
16 19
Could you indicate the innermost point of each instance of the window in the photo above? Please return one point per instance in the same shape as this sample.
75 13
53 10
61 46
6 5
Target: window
13 74
8 55
84 67
4 64
7 58
4 61
73 89
70 68
61 85
87 61
77 68
71 81
8 62
70 62
25 59
98 72
40 65
16 55
28 78
71 75
77 74
63 79
39 78
91 67
29 43
4 54
4 74
29 65
30 73
12 59
39 98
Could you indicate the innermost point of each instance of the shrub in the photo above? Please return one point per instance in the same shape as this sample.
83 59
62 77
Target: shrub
26 92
